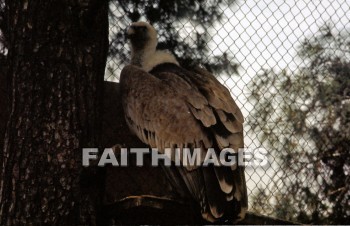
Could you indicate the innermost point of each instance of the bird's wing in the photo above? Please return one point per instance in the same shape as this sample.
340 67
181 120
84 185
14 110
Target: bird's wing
226 126
228 130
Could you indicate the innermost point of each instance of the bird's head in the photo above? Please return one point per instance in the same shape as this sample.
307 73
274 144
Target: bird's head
143 44
143 38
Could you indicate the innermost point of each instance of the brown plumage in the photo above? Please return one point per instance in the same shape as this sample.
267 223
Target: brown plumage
167 106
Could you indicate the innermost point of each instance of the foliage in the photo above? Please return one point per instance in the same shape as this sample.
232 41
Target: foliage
184 28
304 120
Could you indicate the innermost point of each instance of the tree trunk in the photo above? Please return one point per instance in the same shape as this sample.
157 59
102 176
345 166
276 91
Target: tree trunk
57 51
4 103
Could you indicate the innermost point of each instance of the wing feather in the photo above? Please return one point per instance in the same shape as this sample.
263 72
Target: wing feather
216 198
222 98
225 178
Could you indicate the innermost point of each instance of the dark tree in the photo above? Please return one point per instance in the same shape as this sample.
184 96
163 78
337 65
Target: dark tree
303 117
4 81
169 17
4 101
57 52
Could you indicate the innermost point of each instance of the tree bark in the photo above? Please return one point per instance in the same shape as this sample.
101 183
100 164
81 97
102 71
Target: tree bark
4 103
57 52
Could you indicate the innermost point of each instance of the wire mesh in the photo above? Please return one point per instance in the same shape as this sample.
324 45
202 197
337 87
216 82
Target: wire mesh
289 60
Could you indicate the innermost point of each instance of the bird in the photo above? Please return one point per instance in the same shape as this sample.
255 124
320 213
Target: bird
167 105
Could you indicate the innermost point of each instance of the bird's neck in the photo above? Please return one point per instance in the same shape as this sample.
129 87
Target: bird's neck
139 56
148 59
136 59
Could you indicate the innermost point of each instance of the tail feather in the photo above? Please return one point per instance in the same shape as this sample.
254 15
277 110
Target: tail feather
216 198
225 179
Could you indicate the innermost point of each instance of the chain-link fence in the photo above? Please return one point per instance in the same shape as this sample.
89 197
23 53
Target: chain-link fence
287 64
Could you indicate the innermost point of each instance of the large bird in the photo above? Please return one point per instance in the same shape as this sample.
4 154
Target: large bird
168 106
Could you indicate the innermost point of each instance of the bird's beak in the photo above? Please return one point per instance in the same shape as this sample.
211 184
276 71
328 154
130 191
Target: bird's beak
130 32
